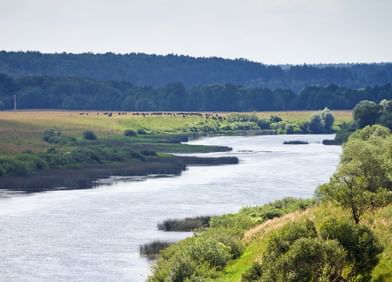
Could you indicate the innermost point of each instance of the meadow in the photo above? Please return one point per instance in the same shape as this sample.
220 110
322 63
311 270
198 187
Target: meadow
22 130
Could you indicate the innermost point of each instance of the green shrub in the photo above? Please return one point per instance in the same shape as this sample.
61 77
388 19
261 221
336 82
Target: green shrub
141 131
51 136
242 118
55 137
130 132
89 135
148 153
182 270
34 161
13 167
253 273
275 119
264 124
359 241
210 251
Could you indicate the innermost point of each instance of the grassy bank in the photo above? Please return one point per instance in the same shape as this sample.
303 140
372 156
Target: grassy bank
343 234
20 131
35 146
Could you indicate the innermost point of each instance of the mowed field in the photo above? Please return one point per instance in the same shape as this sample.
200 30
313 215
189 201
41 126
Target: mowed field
22 130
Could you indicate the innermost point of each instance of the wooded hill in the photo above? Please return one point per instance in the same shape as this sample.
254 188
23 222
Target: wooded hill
156 70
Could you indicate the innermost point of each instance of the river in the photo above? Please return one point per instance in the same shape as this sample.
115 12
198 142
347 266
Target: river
94 234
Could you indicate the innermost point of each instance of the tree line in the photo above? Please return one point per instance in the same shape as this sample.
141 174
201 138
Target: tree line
157 71
39 92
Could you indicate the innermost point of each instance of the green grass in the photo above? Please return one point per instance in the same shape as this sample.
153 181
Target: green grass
22 130
380 221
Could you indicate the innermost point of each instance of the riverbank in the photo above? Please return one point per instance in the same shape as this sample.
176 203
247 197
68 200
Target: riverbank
101 229
86 177
43 150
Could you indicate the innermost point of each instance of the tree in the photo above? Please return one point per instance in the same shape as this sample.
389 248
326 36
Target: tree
89 135
360 243
362 180
366 113
328 119
316 124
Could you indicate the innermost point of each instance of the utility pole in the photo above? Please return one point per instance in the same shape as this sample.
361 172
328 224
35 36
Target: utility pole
15 102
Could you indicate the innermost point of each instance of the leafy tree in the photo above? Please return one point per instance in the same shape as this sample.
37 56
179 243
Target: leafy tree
360 243
89 135
366 113
328 119
362 180
316 124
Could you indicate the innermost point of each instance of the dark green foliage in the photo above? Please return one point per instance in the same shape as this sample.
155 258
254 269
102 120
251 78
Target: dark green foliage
89 135
328 119
27 162
359 241
155 71
263 124
51 136
56 137
210 251
362 180
87 94
182 270
253 273
152 250
366 113
148 153
141 131
344 132
14 167
295 142
275 119
185 225
295 253
316 124
200 256
130 132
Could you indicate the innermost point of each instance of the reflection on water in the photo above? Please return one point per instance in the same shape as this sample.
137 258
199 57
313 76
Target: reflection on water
93 235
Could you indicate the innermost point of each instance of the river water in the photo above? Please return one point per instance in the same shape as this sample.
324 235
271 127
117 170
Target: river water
93 235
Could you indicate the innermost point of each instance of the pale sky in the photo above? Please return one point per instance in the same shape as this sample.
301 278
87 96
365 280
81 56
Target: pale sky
268 31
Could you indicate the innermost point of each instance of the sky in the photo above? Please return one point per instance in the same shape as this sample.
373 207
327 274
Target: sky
267 31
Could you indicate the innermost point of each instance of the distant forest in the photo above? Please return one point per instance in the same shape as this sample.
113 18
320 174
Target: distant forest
44 92
157 71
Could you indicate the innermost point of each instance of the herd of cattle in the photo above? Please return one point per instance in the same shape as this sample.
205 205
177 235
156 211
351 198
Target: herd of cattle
173 114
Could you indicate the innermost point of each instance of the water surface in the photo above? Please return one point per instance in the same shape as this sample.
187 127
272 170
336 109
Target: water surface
93 235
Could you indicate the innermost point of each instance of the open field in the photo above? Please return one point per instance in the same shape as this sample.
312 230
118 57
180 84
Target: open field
22 130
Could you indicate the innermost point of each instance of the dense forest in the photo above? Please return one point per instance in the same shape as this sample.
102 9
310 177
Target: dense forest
44 92
157 70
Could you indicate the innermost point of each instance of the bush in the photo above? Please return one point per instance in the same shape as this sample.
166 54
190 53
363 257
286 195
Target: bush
148 153
89 135
359 241
275 119
263 124
14 167
184 225
51 136
152 250
253 273
130 132
210 251
182 270
34 161
141 132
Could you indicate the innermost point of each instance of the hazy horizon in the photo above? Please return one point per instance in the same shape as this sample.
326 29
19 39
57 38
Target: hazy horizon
266 31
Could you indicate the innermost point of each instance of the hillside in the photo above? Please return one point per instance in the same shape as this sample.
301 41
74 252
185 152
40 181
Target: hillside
343 234
156 70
